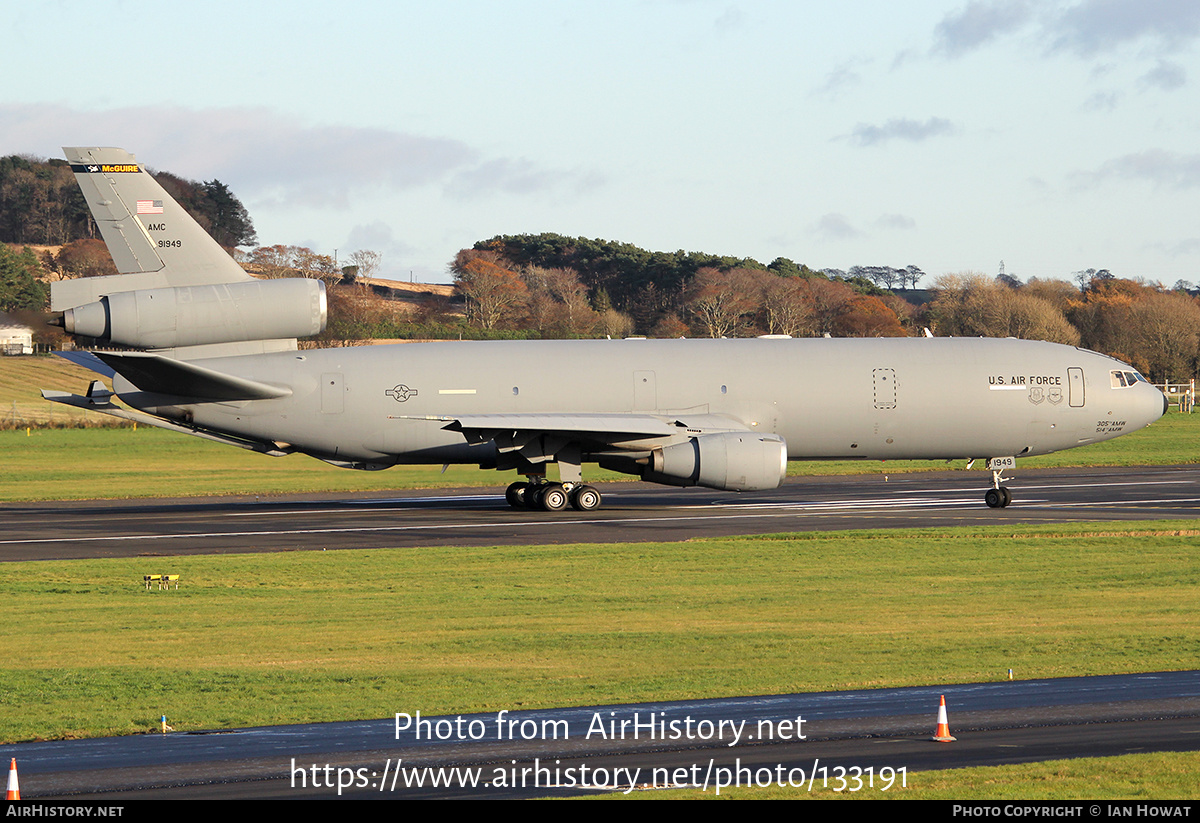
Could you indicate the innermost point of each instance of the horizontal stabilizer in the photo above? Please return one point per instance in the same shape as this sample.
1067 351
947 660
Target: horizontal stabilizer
88 361
102 402
162 375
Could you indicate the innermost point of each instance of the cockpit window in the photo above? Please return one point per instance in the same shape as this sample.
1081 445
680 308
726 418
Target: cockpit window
1125 379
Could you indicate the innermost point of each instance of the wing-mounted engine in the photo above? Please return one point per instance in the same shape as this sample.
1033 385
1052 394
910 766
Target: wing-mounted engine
732 461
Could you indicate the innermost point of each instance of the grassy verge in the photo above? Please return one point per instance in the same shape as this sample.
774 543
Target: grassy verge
275 638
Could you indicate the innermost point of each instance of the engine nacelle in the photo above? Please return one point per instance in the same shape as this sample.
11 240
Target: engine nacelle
733 461
198 315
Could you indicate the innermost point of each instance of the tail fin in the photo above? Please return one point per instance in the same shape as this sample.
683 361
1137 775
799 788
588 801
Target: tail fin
154 242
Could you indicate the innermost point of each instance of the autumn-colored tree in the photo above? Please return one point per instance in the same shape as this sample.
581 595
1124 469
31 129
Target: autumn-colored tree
829 299
85 258
272 261
614 324
1101 313
975 305
788 307
1166 326
670 326
865 315
722 304
492 292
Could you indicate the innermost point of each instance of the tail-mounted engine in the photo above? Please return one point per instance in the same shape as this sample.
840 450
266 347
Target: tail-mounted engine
199 315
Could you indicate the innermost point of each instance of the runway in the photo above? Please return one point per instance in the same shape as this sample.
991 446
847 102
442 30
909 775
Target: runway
826 741
631 512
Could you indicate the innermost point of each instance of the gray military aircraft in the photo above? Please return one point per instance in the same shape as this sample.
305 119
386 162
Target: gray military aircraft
219 360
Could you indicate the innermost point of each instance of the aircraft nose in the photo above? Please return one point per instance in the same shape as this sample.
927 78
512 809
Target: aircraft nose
1151 405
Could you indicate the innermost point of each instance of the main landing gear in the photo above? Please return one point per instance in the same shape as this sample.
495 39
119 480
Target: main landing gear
552 497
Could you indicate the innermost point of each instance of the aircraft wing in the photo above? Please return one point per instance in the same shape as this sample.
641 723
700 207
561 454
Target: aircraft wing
99 399
540 438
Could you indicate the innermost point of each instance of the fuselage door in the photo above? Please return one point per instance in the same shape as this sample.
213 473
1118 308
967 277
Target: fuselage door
333 398
885 388
645 391
1075 385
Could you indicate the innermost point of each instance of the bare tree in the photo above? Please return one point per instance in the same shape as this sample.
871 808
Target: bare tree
366 263
721 302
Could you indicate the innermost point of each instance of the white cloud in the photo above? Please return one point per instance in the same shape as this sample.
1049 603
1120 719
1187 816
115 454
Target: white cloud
1162 168
977 24
1102 101
1096 26
272 157
865 134
841 78
835 226
1166 75
896 222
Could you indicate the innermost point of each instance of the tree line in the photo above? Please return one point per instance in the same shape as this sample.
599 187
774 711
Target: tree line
41 204
694 295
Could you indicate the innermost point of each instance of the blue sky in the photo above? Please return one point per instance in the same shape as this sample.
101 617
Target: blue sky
1054 136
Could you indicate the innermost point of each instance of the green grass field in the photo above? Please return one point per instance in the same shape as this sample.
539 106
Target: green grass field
277 638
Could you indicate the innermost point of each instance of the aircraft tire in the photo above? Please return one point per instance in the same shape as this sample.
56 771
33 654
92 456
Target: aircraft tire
993 498
1006 495
515 494
585 498
553 498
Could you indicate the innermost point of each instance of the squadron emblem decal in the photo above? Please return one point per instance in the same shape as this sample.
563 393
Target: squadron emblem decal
401 393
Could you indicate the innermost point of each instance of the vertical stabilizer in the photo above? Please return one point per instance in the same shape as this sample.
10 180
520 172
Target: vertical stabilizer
154 242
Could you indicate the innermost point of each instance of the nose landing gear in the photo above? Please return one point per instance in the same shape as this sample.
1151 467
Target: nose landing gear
998 496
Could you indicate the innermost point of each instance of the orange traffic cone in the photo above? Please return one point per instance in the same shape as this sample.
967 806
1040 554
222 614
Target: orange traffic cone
14 790
942 735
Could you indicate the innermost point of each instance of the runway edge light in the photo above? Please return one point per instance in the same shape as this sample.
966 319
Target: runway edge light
942 735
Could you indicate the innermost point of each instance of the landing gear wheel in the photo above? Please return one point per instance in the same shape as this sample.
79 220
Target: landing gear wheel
515 494
997 498
552 498
585 498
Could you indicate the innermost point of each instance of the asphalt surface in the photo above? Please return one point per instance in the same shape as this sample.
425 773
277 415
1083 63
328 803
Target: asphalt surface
827 740
630 512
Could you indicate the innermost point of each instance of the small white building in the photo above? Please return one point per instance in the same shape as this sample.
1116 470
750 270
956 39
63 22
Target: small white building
15 338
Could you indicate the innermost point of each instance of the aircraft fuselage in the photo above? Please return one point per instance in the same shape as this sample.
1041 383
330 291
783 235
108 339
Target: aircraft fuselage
908 398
